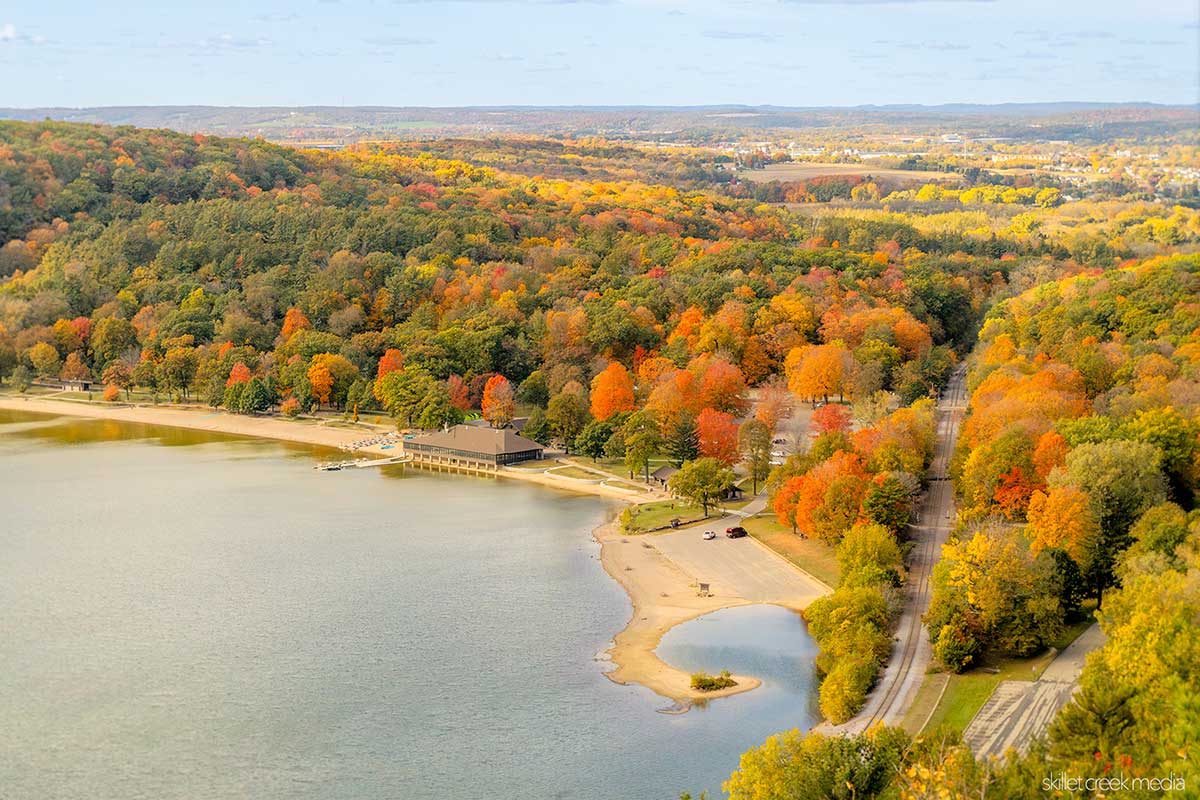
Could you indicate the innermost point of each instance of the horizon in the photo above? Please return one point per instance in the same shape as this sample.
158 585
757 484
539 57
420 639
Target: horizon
803 54
956 105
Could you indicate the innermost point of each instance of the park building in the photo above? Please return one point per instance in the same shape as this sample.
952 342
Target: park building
473 447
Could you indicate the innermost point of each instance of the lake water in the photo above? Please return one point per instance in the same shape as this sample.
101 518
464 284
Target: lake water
188 615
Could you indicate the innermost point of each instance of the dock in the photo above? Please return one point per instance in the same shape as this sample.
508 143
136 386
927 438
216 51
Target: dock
361 463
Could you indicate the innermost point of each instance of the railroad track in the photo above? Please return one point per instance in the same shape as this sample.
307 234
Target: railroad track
889 701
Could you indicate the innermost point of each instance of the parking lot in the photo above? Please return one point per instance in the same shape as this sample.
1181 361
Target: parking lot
737 566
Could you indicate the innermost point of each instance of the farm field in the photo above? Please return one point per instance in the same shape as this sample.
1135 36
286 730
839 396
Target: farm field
806 170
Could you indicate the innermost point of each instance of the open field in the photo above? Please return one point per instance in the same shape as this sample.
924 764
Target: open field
801 171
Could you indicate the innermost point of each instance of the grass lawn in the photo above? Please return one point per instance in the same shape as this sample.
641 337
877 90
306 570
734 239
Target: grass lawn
927 698
606 464
537 466
576 472
613 467
811 555
655 515
737 504
966 693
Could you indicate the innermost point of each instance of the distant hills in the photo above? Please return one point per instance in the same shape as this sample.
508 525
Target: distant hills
347 124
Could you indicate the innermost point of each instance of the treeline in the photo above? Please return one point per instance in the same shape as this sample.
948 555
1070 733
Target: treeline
1077 474
855 491
467 272
590 159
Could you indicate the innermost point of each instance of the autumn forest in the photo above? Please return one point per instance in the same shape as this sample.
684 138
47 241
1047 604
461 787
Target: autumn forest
641 306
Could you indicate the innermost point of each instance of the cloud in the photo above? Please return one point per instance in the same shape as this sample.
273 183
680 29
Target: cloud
397 41
9 33
1152 42
228 41
881 2
737 36
273 17
507 2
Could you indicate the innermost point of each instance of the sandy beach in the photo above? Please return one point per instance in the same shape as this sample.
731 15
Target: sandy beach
303 431
662 593
663 596
201 419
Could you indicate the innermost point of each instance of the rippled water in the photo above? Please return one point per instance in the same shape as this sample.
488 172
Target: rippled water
187 615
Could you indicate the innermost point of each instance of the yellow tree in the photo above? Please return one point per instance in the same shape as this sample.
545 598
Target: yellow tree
1063 519
321 380
817 371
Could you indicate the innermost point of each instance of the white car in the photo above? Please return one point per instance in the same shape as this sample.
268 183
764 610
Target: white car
710 534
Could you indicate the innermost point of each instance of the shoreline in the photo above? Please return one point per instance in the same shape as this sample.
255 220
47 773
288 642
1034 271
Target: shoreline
318 434
661 594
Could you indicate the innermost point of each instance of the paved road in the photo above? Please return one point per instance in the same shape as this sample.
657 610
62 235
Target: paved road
911 652
1018 711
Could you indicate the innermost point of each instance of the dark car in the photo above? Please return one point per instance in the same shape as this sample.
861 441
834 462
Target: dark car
736 532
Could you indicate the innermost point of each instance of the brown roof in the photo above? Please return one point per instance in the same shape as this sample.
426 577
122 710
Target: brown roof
664 473
490 441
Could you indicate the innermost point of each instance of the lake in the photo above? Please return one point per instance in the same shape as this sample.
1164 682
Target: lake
190 615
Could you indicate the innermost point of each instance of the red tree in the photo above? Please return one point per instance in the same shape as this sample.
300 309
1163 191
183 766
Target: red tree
390 361
829 418
239 374
723 386
459 394
498 404
774 404
612 391
717 432
785 500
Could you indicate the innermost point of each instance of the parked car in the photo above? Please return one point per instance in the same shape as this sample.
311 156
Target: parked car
736 532
710 534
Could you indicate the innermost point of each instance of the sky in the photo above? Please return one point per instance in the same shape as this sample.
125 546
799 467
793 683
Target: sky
597 52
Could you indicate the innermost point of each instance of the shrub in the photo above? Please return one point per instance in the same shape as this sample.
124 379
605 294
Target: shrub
22 378
111 393
233 397
704 682
845 688
957 646
290 407
869 554
851 628
627 519
802 765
